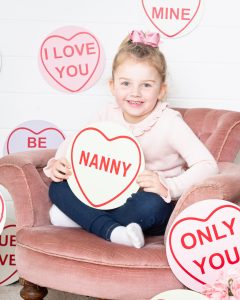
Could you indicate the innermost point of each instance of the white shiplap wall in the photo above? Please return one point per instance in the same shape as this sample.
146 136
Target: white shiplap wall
203 65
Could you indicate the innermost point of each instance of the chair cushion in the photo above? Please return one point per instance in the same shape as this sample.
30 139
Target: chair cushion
77 244
75 261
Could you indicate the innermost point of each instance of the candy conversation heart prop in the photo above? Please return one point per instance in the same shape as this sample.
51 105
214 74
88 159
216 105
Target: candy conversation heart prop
180 294
8 269
2 212
105 160
71 59
204 241
173 17
33 135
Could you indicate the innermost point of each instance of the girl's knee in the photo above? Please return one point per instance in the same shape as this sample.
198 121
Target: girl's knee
58 190
152 199
57 185
148 203
156 207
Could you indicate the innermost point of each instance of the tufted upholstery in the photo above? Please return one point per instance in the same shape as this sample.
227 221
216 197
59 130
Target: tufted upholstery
76 261
219 130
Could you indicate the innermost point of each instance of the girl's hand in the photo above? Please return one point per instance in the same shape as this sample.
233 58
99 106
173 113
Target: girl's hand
149 181
61 169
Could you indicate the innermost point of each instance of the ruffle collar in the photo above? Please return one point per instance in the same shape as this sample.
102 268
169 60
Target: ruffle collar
145 125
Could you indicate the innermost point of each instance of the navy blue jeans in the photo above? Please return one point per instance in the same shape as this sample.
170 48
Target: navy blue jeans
149 210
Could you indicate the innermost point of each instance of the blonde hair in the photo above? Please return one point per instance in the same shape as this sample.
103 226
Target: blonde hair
140 52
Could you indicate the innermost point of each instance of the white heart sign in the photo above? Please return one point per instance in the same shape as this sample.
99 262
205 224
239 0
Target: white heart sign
204 241
180 294
172 17
105 160
8 272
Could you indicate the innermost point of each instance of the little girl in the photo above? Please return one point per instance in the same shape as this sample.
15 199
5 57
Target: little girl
175 158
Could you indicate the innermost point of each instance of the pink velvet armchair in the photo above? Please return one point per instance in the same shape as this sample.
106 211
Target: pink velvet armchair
73 260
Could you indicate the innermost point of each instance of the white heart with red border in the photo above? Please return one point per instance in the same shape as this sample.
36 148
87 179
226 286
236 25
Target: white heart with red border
180 294
105 160
172 17
2 212
8 272
204 241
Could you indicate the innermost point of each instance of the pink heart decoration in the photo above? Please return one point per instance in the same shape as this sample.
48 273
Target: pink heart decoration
101 187
200 248
71 62
171 17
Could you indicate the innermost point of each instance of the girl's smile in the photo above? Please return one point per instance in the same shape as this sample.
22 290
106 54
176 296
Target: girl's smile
137 87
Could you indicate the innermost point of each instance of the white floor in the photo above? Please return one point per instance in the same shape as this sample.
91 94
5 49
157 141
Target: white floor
11 292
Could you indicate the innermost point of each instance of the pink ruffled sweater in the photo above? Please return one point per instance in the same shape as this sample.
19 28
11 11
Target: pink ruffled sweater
169 145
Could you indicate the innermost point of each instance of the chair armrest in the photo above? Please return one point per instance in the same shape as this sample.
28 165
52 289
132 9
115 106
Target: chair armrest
223 186
21 174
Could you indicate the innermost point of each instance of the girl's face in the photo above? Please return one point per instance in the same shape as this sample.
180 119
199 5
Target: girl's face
137 87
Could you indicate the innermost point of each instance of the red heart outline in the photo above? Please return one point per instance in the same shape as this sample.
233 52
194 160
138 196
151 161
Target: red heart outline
3 208
14 272
32 131
69 39
109 140
173 35
195 219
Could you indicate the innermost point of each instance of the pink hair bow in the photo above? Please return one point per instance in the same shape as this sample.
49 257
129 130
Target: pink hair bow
151 38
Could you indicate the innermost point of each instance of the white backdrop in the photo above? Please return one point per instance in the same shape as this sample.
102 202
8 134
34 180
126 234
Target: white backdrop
203 65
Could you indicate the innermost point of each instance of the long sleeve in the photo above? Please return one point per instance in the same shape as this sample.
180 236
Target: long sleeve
61 152
200 162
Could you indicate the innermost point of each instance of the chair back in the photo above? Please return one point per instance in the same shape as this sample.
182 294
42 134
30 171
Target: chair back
218 129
